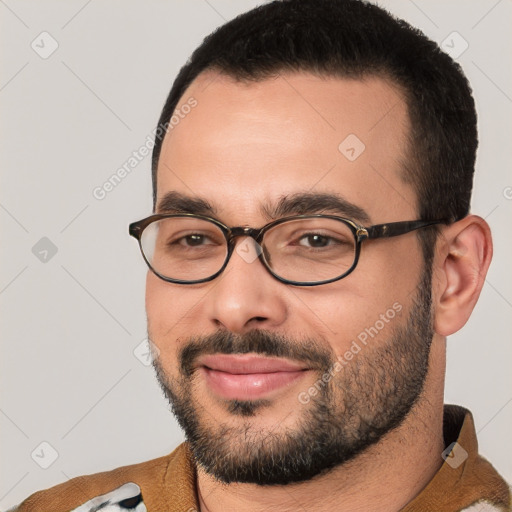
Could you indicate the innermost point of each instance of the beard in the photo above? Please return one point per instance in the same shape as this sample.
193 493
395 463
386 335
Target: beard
369 397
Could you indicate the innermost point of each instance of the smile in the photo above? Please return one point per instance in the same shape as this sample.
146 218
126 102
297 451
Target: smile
248 377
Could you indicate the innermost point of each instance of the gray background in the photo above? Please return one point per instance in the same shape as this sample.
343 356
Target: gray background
72 320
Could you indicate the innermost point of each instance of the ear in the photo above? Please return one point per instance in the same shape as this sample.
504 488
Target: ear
463 255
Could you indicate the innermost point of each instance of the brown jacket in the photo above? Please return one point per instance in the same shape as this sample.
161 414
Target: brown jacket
465 481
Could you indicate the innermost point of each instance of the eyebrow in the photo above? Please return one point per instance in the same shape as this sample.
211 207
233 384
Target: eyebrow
300 203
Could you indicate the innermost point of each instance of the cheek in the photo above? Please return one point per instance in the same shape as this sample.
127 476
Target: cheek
155 298
172 316
162 317
390 269
163 310
368 304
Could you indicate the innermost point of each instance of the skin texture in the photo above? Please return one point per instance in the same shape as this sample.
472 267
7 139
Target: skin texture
244 144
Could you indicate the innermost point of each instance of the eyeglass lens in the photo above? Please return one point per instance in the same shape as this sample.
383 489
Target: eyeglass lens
302 250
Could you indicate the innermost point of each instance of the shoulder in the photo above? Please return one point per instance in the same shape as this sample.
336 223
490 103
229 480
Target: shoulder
123 488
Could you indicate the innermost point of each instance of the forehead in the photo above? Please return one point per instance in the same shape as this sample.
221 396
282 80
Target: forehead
244 142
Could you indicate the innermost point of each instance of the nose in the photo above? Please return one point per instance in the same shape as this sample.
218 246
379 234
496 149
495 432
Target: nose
246 296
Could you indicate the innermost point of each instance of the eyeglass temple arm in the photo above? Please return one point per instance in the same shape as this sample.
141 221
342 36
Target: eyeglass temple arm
398 228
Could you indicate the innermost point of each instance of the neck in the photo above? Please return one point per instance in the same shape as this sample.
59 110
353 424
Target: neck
384 478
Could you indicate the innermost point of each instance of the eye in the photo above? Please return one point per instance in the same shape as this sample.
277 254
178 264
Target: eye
316 240
192 240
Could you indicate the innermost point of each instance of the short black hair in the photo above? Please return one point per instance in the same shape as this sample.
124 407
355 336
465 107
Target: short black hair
357 39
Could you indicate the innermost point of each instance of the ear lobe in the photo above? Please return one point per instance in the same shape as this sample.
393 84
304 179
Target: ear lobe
462 265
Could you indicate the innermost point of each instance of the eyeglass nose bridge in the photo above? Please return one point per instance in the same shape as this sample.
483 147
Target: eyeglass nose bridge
235 232
256 234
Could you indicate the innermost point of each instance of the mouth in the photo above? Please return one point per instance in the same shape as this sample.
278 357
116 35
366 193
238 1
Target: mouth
248 376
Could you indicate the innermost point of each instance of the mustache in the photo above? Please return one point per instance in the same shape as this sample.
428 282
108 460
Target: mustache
259 341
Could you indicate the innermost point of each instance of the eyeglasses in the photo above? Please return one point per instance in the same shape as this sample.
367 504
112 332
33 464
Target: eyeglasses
303 250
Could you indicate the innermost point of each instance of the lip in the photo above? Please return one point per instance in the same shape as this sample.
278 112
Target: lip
246 376
248 363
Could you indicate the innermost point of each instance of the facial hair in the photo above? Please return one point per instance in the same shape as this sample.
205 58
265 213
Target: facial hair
365 400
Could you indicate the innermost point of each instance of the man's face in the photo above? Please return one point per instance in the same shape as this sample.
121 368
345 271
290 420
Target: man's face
274 383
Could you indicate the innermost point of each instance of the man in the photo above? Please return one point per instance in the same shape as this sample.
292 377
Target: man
311 249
